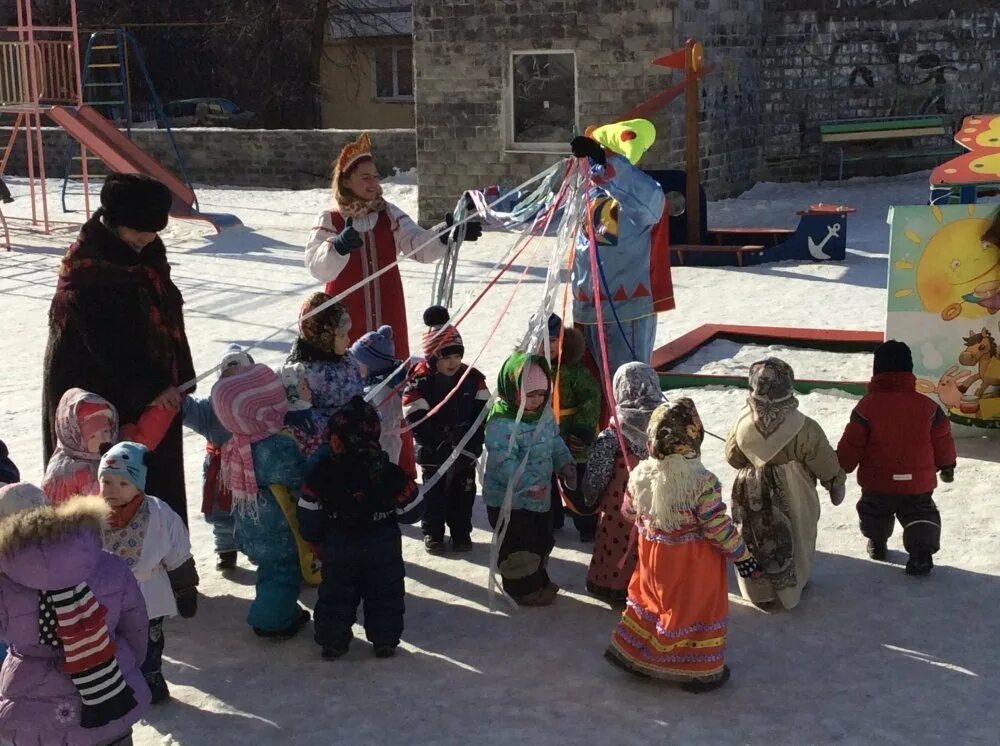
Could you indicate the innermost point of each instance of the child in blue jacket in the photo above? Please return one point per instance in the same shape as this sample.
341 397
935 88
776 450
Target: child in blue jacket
521 429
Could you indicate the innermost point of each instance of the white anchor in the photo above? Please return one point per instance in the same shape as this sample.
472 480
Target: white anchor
817 249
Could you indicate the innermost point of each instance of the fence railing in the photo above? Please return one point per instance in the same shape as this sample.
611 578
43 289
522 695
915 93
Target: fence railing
53 64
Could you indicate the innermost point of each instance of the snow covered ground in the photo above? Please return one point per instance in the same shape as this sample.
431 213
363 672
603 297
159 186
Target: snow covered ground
871 656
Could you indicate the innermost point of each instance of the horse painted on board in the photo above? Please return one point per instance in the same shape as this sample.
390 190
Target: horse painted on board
983 353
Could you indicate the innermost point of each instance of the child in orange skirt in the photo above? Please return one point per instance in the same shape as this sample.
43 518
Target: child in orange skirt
674 625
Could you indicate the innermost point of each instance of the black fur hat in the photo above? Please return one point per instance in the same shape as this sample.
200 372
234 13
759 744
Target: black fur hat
136 201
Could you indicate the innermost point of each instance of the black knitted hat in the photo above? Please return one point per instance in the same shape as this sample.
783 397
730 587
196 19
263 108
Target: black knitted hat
893 357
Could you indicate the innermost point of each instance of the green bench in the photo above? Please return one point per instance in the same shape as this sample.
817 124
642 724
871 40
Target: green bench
843 132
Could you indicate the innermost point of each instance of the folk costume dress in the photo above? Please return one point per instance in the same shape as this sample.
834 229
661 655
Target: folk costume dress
674 624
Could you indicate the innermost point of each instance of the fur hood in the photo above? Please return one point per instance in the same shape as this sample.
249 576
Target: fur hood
50 523
573 347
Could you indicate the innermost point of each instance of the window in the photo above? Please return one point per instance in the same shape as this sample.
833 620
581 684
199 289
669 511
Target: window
394 73
542 99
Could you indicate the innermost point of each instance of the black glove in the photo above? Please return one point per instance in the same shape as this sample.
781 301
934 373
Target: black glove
187 603
349 240
585 147
948 474
748 568
473 229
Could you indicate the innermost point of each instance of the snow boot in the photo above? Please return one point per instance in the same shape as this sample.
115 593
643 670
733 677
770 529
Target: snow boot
332 653
434 545
920 563
878 550
385 651
541 597
290 631
461 544
226 561
157 688
698 686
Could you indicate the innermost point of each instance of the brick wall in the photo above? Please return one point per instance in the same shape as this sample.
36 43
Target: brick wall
294 159
835 59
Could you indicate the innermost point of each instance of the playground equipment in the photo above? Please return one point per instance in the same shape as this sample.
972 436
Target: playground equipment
974 174
108 87
40 75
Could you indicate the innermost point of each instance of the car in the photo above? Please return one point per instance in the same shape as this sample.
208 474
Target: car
206 112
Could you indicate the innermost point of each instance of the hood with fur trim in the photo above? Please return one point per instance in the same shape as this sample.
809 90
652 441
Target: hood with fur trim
573 346
53 546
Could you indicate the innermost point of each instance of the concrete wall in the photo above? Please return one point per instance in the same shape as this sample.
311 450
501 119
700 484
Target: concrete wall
295 159
348 88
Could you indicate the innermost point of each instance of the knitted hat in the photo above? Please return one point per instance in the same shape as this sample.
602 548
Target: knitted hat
93 417
235 357
555 325
893 357
20 496
320 329
126 460
136 201
376 350
675 429
441 338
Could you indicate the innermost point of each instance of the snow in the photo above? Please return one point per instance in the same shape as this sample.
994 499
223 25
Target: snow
724 357
870 656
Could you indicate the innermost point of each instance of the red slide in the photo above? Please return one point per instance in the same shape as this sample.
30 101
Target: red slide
121 155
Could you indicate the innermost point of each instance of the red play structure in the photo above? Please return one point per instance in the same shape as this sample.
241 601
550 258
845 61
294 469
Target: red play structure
40 76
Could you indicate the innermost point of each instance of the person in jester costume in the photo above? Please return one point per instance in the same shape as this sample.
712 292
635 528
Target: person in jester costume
632 281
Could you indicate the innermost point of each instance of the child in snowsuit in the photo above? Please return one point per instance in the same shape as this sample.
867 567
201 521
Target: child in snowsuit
332 374
152 539
61 591
522 428
577 406
86 424
251 404
678 598
216 501
637 395
456 394
900 439
375 354
351 504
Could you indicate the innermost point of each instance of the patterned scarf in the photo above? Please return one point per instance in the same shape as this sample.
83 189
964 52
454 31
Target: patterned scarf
509 383
772 395
72 619
317 332
71 454
252 406
127 531
676 429
637 395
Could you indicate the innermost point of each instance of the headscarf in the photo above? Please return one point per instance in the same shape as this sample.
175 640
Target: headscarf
772 395
676 429
252 406
355 429
517 371
316 333
78 412
637 395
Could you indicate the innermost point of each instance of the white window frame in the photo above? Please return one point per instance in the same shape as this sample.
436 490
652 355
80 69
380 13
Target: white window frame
396 98
537 147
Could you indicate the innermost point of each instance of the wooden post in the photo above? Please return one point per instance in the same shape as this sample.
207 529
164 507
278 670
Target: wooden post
692 161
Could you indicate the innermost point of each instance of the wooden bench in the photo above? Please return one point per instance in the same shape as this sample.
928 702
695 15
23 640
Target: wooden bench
739 251
846 131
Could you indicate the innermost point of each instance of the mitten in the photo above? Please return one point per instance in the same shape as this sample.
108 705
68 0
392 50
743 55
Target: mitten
948 474
837 493
473 229
349 240
749 568
187 603
568 475
584 147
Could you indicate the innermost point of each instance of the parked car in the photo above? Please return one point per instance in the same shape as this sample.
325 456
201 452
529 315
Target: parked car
206 112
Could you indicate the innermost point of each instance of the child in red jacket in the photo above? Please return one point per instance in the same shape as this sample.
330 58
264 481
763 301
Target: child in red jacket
900 439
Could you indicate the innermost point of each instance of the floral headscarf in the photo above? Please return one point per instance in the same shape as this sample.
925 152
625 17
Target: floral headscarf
509 384
77 412
637 395
316 333
772 395
676 429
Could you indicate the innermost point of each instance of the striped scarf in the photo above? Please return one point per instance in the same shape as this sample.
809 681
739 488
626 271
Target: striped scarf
72 619
252 406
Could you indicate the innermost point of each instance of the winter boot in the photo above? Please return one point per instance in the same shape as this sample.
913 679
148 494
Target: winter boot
698 686
878 550
434 544
157 687
461 544
290 631
385 651
541 597
920 563
226 561
333 653
5 193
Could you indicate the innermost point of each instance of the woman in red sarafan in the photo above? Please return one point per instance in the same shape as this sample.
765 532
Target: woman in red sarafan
362 234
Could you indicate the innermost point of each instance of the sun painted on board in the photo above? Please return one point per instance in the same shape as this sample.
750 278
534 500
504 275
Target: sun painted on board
958 273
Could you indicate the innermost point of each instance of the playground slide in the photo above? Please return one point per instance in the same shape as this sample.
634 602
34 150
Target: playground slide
122 155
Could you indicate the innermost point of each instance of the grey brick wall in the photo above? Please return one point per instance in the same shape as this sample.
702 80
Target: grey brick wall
294 159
